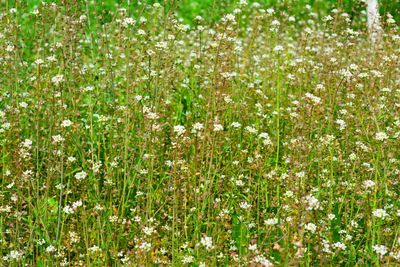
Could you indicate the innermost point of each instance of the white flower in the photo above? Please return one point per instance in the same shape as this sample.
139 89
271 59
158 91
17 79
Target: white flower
68 210
218 127
187 259
57 139
27 143
380 249
128 21
313 98
381 136
71 159
339 245
94 249
141 32
263 135
206 241
88 88
14 255
368 183
342 124
148 230
230 17
66 123
352 156
80 175
244 205
313 203
278 48
50 249
311 227
331 216
235 125
252 247
77 204
197 127
59 78
251 129
263 261
271 221
380 213
23 105
179 130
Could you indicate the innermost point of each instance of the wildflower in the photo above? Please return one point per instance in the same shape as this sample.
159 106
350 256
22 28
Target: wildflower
230 17
68 210
263 261
381 136
71 159
381 250
331 216
342 124
88 88
39 61
339 245
352 156
179 130
50 249
313 203
380 213
77 204
14 255
253 247
250 129
82 18
141 32
57 139
27 143
278 48
218 127
80 175
206 241
311 227
23 105
148 230
368 183
187 259
236 124
94 249
197 127
58 79
271 221
66 123
244 205
313 98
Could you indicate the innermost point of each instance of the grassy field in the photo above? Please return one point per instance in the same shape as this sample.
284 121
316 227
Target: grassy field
198 134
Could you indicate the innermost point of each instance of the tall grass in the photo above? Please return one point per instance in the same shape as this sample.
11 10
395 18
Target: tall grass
262 139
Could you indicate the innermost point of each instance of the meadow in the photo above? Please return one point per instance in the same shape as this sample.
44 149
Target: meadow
136 135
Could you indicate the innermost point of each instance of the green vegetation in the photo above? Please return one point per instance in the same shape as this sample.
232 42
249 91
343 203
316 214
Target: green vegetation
199 133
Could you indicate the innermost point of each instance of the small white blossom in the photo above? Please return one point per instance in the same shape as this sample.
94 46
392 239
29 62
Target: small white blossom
381 136
380 213
66 123
80 175
206 241
179 130
310 227
381 250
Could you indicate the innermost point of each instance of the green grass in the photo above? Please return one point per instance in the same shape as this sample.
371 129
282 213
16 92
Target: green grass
260 138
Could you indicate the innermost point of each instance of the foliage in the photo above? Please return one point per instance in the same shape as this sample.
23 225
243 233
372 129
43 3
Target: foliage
137 138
